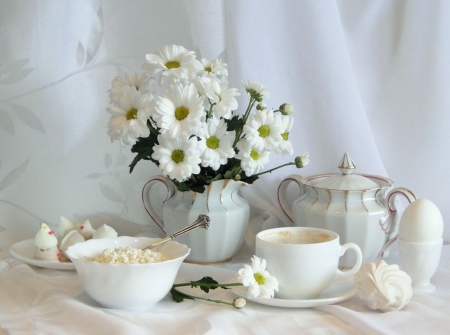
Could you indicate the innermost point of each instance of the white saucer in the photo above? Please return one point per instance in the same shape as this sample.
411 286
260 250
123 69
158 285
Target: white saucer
24 252
337 292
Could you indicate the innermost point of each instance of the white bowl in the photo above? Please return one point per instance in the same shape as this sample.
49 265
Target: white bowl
127 286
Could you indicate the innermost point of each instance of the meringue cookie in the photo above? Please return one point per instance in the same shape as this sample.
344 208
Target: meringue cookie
382 286
45 238
65 226
104 231
86 230
46 244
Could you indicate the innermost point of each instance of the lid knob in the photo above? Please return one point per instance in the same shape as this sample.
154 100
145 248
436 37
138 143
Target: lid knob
346 165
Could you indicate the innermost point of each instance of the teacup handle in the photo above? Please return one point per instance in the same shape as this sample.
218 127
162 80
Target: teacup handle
348 273
282 194
146 193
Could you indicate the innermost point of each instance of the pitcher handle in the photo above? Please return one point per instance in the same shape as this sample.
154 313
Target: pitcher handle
146 190
389 221
282 194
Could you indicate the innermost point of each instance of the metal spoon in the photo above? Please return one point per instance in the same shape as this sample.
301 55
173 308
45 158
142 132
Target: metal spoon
203 221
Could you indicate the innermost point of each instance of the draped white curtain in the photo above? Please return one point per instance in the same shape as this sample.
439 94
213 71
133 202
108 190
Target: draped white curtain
368 77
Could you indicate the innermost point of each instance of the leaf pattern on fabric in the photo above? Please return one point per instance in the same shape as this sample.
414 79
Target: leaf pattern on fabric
80 54
110 194
108 161
14 72
6 122
95 37
28 118
12 176
94 175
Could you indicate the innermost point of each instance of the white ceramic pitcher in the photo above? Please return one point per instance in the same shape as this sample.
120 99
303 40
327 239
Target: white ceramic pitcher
228 211
358 207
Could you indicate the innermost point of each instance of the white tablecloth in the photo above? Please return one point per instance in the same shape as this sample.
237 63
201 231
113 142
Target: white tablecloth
43 301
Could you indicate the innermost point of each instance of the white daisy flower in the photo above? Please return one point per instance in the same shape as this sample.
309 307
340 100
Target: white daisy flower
255 90
215 66
259 282
140 81
129 116
263 130
219 95
217 145
178 157
173 62
252 159
284 147
179 111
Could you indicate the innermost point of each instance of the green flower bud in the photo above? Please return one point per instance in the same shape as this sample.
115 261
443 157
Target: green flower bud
286 109
261 106
302 161
239 303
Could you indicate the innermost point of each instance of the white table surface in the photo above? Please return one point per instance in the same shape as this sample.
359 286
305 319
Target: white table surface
42 301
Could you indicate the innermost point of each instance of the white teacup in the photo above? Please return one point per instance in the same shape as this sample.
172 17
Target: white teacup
304 260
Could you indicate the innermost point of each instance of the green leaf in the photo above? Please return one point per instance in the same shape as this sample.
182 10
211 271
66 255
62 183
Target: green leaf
198 188
205 284
178 296
234 123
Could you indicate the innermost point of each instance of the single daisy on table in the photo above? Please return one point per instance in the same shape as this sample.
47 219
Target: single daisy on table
173 62
252 159
284 147
178 157
179 111
215 66
263 130
259 282
216 143
256 90
129 116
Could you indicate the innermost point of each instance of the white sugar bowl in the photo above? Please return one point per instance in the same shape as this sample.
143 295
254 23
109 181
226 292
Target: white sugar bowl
359 207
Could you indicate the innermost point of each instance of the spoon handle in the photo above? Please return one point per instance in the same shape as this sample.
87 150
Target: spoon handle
203 221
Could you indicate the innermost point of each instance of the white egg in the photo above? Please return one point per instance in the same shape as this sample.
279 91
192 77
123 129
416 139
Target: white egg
421 222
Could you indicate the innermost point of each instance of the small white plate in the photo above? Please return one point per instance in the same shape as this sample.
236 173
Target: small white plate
337 292
24 252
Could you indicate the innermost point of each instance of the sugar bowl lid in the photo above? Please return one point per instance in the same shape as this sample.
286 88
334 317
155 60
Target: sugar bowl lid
347 180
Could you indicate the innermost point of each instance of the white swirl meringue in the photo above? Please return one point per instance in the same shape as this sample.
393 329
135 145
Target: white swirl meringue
104 231
383 286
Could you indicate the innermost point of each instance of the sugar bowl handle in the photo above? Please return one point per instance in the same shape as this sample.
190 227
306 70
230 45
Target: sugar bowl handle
282 194
146 197
389 222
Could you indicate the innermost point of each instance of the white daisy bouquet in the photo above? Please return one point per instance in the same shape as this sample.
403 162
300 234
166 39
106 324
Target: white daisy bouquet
180 114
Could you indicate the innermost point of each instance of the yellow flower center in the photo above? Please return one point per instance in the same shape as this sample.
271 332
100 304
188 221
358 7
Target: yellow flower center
264 131
177 156
208 69
173 64
285 136
259 278
131 114
181 113
254 154
212 142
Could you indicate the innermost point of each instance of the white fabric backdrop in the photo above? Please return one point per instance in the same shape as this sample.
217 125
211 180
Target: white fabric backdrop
368 77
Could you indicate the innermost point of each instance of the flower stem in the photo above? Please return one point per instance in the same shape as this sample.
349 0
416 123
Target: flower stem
276 168
251 103
212 286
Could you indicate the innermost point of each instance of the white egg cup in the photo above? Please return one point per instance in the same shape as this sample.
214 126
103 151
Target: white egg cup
420 261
